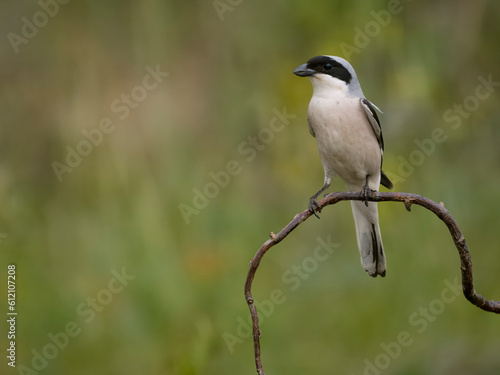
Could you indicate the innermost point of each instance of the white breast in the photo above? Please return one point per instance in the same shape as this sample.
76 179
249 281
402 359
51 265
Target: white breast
346 142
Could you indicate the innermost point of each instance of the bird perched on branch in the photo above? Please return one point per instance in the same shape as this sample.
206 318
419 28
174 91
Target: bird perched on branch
347 130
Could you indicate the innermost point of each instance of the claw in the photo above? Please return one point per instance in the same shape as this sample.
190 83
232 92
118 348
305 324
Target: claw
314 206
366 191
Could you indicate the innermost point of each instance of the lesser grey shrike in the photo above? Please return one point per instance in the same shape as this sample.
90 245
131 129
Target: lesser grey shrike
350 144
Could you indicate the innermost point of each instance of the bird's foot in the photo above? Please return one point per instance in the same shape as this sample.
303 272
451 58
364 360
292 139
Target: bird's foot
367 192
314 206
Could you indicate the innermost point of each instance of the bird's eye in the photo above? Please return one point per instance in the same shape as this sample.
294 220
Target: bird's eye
327 66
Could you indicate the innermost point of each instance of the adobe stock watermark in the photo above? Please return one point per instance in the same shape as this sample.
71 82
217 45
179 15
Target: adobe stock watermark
249 149
372 29
454 118
293 279
419 321
121 107
223 6
57 342
31 26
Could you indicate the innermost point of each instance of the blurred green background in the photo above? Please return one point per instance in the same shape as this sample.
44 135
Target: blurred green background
230 69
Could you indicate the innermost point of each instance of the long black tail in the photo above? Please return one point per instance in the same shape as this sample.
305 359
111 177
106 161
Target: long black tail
369 239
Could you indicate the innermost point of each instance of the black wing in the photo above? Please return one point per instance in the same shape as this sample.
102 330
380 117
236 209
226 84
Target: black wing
372 117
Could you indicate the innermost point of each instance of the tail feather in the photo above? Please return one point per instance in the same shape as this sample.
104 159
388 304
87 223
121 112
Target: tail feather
384 180
369 239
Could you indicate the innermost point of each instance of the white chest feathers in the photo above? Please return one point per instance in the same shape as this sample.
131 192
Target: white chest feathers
347 144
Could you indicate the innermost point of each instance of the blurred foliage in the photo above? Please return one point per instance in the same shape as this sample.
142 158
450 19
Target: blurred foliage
119 207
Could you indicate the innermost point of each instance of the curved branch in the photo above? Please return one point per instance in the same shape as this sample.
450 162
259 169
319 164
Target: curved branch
408 199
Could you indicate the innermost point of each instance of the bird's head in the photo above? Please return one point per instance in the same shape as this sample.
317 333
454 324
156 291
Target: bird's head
331 73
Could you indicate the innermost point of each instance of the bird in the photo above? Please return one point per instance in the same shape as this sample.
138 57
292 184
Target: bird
350 144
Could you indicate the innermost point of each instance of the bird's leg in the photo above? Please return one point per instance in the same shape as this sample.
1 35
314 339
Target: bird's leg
313 201
366 191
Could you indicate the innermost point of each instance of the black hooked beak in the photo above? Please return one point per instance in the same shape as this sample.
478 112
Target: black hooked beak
304 71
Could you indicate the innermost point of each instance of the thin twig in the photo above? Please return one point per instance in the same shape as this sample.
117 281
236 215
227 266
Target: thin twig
408 199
